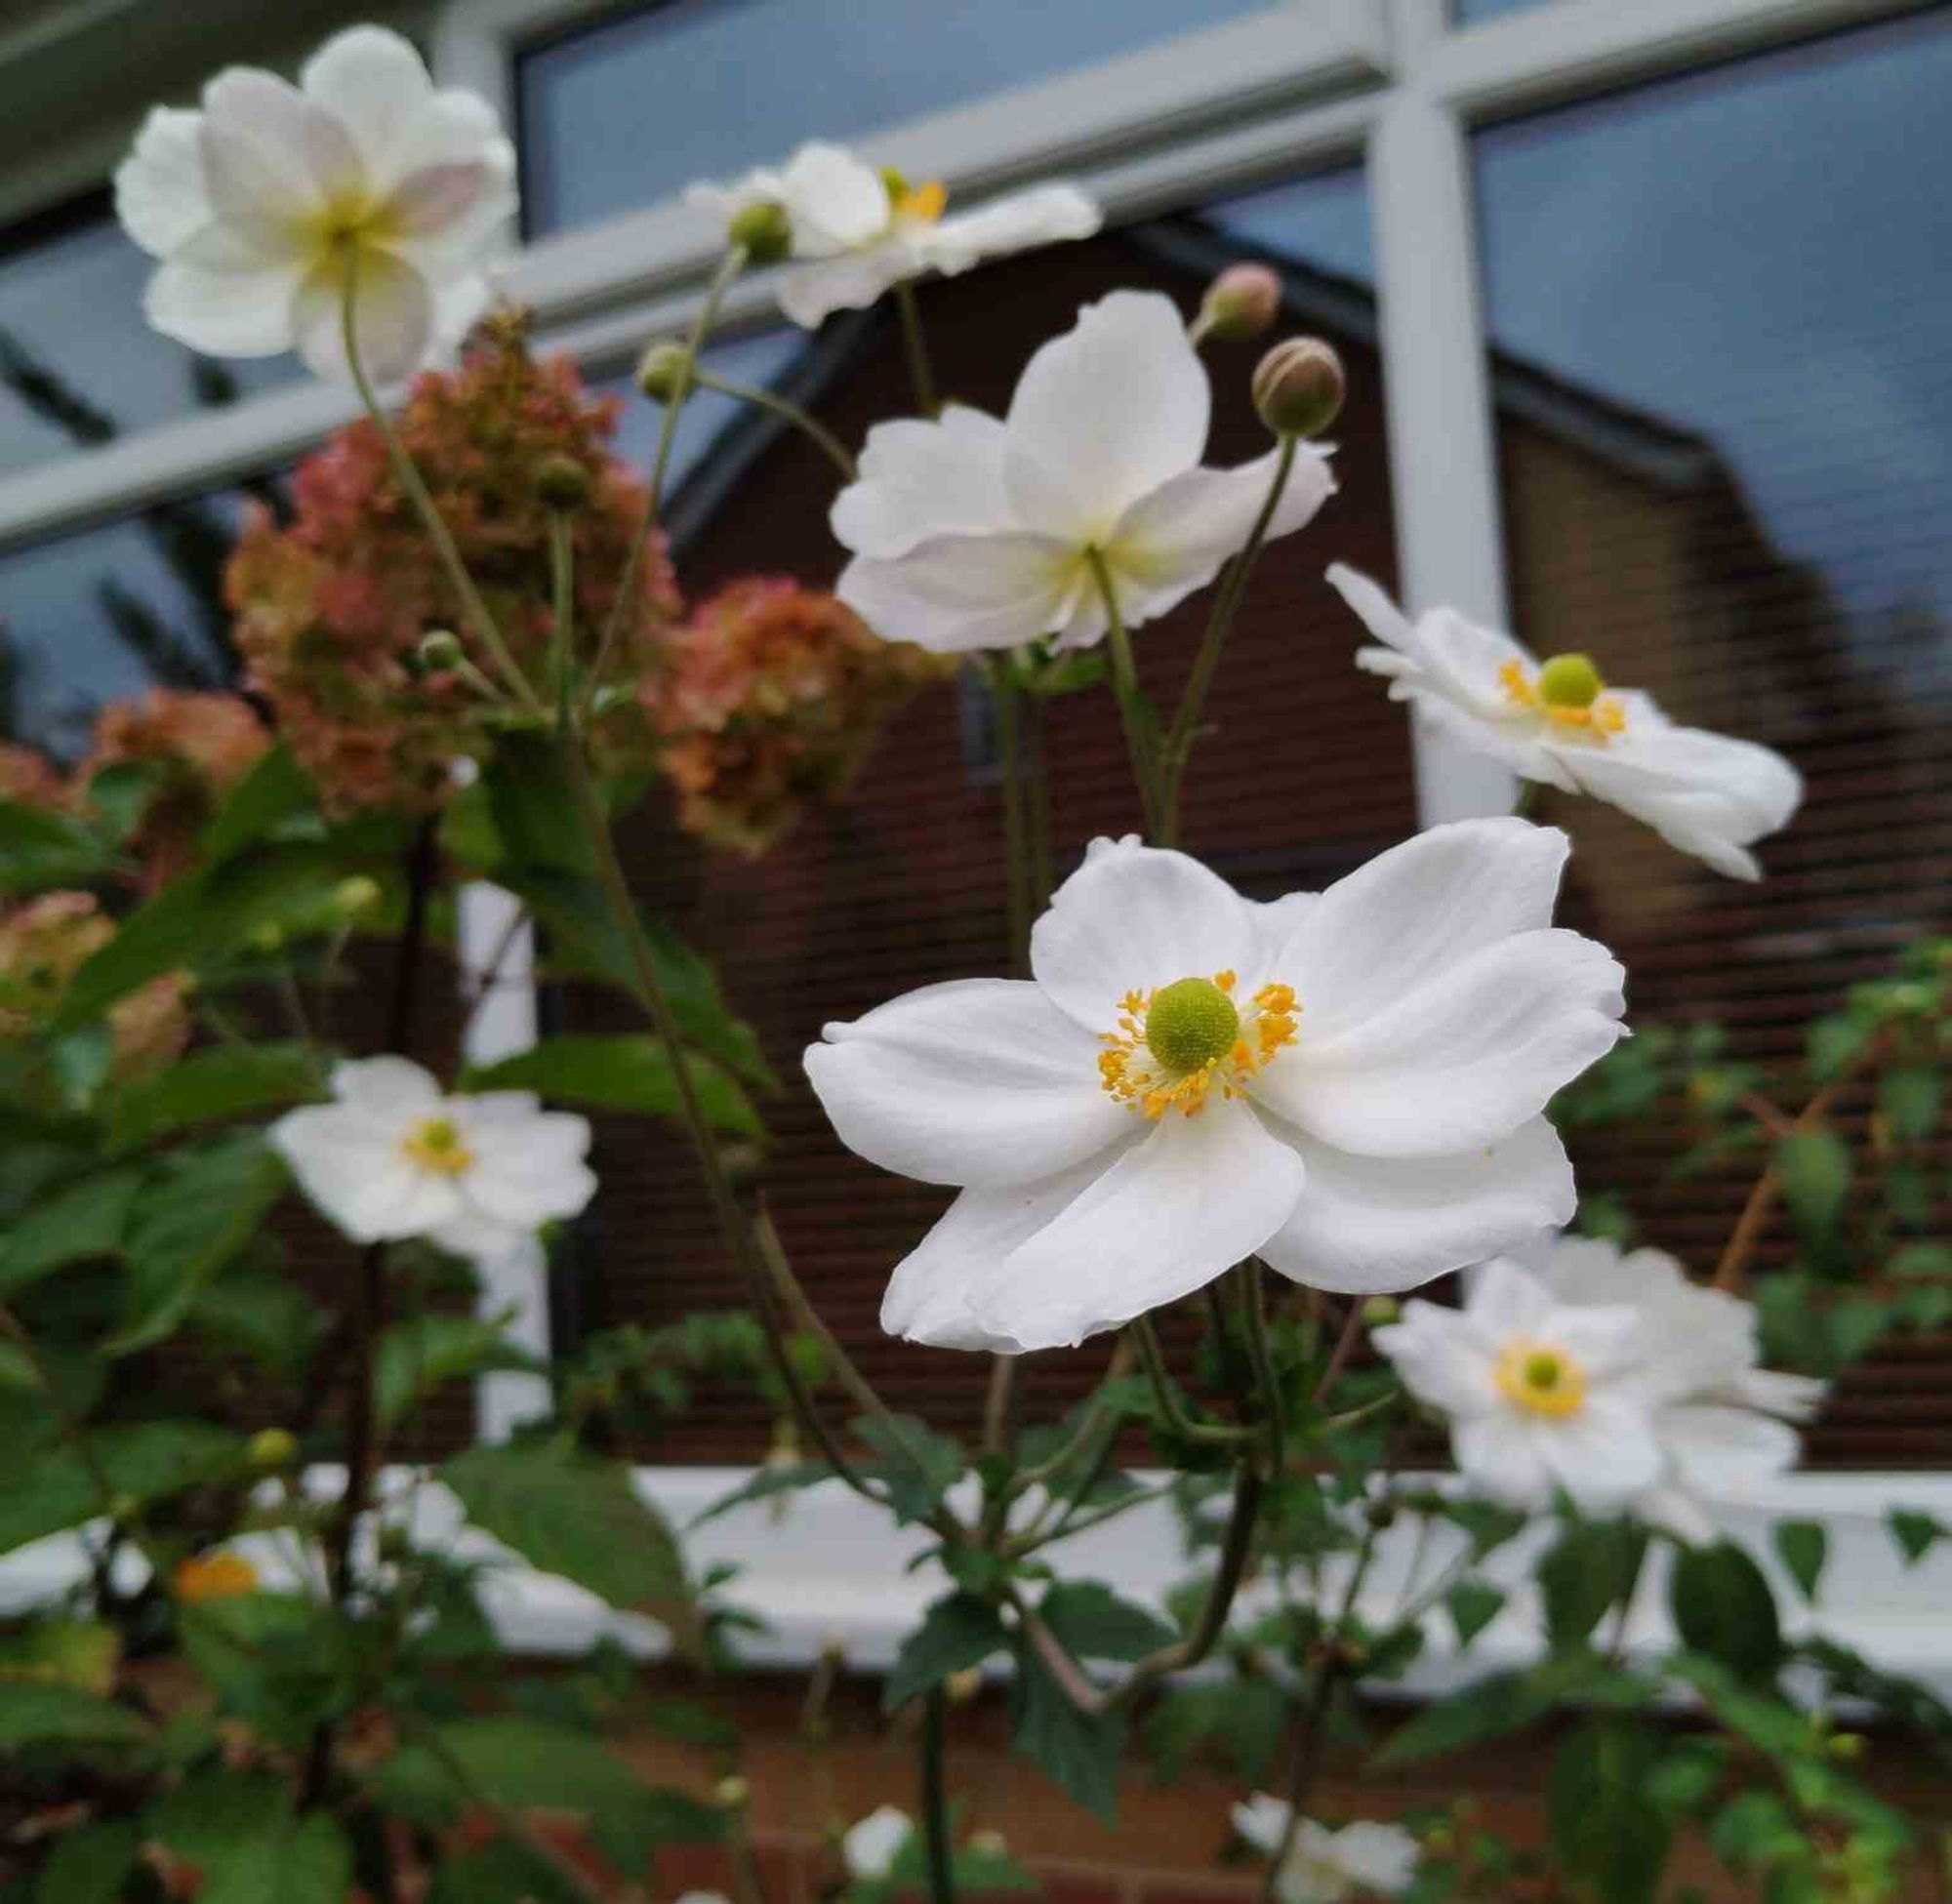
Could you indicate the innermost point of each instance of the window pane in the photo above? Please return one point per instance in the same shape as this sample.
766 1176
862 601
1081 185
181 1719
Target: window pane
77 363
1722 309
629 111
1468 13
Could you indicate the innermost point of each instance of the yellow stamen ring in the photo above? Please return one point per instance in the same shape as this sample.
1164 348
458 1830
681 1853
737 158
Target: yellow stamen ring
1178 1044
1543 1379
435 1145
1568 692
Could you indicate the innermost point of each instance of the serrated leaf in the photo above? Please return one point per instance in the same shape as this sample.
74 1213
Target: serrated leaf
1473 1604
1610 1837
572 1514
767 1480
274 789
37 1712
620 1074
55 1488
81 1221
208 1087
1814 1169
1803 1546
1243 1722
1078 1753
89 1864
1093 1622
1723 1608
294 1860
957 1633
1916 1532
919 1465
419 1354
1591 1569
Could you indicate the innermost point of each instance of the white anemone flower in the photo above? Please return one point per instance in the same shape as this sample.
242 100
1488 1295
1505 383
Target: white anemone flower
1542 1395
870 1849
1723 1421
1323 1866
261 205
1557 721
1350 1084
858 230
391 1158
969 533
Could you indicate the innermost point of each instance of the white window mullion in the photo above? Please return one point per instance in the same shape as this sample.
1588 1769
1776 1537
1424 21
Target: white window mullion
1437 387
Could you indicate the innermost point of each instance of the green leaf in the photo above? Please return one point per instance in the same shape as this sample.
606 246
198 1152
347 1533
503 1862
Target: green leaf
274 789
206 1205
1093 1622
1922 1260
1243 1722
1503 1703
957 1633
40 849
1916 1532
1908 1099
275 1659
1080 1754
1591 1569
33 1712
209 1086
767 1480
1473 1604
919 1465
419 1354
296 1861
571 1513
620 1074
1723 1608
55 1488
536 813
1803 1545
1814 1169
82 1221
211 1812
89 1864
1834 1043
1610 1837
501 1871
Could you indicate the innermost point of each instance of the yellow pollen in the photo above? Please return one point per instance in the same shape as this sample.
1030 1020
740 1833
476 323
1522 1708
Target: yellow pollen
1543 1379
1177 1045
925 203
434 1144
1600 715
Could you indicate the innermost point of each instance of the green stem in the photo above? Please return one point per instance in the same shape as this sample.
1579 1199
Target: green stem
1131 705
1176 1418
473 609
562 591
1525 798
1255 1326
914 344
729 267
787 411
935 1800
1179 738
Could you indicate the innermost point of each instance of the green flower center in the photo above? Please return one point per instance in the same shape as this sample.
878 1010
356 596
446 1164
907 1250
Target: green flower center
436 1144
1569 681
1191 1023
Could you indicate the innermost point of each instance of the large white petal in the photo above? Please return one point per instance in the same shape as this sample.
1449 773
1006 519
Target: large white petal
920 479
529 1169
930 1293
1460 1061
960 593
1368 1224
1262 1821
355 1170
226 313
1452 654
1134 917
1197 1197
1517 742
837 201
1104 415
1045 215
1605 1454
392 310
846 280
390 1090
1504 1300
1412 913
1381 1858
1500 1455
1726 1453
976 1082
1439 1357
374 82
272 159
160 194
1176 539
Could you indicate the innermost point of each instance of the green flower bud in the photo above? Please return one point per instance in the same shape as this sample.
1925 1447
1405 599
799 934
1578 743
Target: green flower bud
440 649
664 372
1299 388
271 1448
1379 1311
357 894
732 1793
764 228
1241 302
562 482
268 937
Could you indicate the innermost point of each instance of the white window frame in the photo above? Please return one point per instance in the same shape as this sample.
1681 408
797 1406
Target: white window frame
1298 86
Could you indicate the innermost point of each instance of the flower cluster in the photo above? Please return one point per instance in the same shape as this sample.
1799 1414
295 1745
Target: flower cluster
44 943
332 611
1612 1378
768 698
29 777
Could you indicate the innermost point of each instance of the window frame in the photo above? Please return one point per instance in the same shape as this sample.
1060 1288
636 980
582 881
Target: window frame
1298 86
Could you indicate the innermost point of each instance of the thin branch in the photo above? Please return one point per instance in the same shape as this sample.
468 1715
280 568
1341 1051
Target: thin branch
804 420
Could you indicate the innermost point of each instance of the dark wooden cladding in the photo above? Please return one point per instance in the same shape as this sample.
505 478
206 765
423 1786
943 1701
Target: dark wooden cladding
1629 539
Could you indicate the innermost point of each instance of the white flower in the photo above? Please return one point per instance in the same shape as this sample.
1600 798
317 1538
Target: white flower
1349 1084
871 1848
1557 721
859 230
1721 1419
260 204
1323 1866
969 533
393 1158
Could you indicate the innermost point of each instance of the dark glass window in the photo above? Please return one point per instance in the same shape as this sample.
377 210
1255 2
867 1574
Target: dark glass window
619 114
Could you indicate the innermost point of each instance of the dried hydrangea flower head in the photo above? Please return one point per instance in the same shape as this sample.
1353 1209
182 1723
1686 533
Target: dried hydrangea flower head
333 611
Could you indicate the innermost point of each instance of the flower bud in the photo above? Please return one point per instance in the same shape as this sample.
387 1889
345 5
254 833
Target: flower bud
664 372
562 482
440 649
271 1448
988 1844
1379 1311
732 1793
961 1688
1299 388
268 937
1241 302
764 228
356 894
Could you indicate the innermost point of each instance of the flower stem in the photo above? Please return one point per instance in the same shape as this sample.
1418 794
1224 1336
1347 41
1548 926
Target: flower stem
803 420
1253 1300
562 591
935 1800
1132 710
914 344
1178 744
474 608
